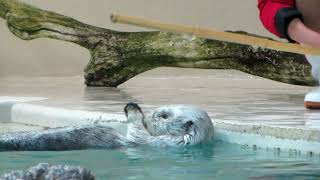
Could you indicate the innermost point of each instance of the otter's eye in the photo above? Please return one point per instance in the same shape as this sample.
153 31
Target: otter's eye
164 116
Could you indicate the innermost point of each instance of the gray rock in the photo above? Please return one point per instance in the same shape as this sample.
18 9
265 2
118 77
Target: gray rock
45 171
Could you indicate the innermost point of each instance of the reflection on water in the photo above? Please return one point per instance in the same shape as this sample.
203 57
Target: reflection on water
217 160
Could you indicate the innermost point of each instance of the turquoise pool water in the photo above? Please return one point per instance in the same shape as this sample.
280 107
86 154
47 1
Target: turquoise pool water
218 160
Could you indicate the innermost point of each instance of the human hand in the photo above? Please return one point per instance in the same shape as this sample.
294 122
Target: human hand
302 34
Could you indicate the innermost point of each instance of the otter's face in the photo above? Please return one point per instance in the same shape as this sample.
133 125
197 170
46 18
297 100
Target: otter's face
191 123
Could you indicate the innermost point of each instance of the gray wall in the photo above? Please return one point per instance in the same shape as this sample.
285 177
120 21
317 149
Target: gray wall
46 57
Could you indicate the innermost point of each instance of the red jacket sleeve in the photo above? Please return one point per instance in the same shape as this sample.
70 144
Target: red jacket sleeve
276 15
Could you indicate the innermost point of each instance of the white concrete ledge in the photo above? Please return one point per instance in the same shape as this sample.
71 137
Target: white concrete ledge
15 127
265 136
293 133
7 102
25 116
58 117
268 142
5 111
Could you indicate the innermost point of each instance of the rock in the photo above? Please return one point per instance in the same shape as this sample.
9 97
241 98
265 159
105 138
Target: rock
44 171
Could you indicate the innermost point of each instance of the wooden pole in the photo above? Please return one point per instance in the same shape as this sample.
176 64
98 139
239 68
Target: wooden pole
216 35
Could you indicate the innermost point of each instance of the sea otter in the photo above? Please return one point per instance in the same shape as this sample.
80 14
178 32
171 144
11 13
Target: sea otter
165 126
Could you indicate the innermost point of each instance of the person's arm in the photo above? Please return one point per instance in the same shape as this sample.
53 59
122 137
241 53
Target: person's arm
300 33
275 15
281 18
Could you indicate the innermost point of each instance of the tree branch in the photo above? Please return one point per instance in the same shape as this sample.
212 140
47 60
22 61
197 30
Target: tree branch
119 56
28 22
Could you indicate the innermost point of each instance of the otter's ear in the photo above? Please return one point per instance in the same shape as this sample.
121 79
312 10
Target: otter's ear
187 126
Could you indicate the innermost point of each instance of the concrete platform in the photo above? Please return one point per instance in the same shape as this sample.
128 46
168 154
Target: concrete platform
245 109
14 127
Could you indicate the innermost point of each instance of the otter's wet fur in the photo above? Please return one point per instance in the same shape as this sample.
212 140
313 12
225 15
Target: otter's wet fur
166 126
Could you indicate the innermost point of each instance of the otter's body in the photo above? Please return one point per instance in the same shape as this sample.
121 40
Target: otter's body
165 126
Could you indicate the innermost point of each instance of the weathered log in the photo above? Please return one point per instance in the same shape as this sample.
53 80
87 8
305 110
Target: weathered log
119 56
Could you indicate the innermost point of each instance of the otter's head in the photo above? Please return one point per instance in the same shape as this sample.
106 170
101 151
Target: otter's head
189 123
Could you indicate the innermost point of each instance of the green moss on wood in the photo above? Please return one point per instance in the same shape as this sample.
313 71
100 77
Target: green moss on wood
119 56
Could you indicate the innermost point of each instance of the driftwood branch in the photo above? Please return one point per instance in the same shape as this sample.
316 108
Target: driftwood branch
119 56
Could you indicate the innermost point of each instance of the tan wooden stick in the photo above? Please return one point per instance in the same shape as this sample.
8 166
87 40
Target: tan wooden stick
212 34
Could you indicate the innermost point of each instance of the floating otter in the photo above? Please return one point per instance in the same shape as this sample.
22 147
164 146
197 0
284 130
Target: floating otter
165 126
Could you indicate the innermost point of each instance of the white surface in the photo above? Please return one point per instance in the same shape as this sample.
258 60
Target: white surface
14 127
313 96
20 99
6 103
58 117
267 141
